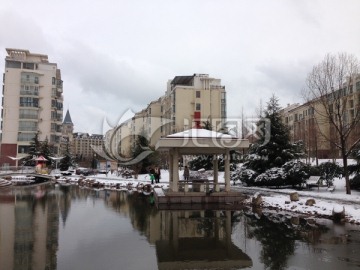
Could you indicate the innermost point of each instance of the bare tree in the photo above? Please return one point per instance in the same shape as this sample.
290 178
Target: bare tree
335 99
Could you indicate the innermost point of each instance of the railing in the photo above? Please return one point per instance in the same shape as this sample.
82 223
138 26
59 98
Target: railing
18 169
199 185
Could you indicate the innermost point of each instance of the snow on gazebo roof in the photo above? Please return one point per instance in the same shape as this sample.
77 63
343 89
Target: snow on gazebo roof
199 133
200 141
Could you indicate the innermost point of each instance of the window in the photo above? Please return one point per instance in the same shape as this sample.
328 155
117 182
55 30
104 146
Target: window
23 149
350 89
29 90
28 114
223 97
311 111
351 103
28 65
29 102
197 106
197 94
25 137
28 126
13 64
53 115
53 81
29 78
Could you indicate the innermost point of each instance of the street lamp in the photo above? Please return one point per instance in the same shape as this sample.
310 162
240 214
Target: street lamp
16 160
56 161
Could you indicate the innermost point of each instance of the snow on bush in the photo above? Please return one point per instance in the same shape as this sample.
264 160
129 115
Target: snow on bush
296 172
272 177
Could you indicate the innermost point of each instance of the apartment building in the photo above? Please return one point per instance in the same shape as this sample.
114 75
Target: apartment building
309 122
191 100
32 102
83 144
187 103
302 122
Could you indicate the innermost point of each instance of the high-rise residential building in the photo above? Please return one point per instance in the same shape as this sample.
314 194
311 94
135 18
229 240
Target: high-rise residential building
192 100
32 103
189 101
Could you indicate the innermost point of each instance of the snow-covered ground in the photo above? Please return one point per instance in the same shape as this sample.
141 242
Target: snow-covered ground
325 200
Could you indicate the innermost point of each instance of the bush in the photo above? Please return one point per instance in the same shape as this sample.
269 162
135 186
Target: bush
246 176
296 172
329 171
272 177
355 182
314 170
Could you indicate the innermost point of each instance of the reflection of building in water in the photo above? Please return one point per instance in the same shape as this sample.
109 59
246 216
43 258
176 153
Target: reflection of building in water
196 240
29 232
65 203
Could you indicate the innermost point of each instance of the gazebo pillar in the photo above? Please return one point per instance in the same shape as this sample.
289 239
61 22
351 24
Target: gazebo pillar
171 168
175 170
227 169
216 174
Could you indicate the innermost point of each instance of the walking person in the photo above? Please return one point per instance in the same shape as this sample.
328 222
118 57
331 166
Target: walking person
186 173
157 175
152 178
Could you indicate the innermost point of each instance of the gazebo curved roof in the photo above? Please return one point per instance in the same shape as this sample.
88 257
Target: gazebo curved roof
201 141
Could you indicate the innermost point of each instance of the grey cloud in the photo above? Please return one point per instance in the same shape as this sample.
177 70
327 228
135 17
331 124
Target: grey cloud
102 74
22 32
285 79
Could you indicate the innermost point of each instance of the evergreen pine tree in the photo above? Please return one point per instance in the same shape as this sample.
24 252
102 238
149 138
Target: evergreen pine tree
35 146
45 151
273 149
34 151
143 155
67 160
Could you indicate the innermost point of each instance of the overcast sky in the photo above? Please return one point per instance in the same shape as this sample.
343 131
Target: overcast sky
118 55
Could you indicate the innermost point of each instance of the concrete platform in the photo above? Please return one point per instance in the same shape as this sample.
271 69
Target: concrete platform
198 200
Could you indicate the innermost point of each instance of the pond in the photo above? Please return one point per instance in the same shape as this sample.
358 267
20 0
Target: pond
67 227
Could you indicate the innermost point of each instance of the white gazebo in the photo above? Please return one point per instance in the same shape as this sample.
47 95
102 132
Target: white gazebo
197 142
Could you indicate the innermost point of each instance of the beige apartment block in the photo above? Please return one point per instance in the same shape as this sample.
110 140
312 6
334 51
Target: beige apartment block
192 100
83 144
189 101
32 102
309 122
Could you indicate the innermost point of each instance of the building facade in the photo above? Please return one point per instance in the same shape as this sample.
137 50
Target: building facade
32 103
189 101
83 144
67 134
309 122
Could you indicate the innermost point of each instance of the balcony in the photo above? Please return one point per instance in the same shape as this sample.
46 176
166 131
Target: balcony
29 92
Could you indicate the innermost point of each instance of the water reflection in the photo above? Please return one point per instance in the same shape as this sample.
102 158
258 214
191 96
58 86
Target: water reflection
198 240
36 225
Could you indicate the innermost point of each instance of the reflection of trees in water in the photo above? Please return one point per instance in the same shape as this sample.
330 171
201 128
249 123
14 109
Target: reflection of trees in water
207 224
278 236
140 211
